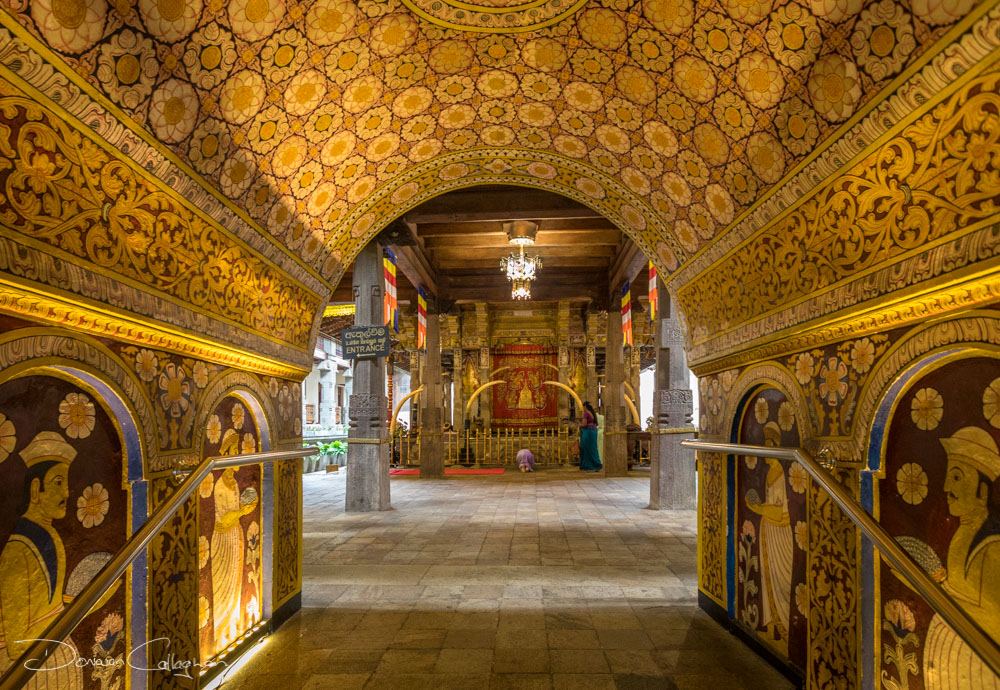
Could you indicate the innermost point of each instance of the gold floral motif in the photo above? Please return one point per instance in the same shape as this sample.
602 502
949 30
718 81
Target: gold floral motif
991 403
8 437
76 415
911 483
119 221
934 169
927 408
92 505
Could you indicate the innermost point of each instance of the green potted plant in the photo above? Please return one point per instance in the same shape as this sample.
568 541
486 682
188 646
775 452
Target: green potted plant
336 452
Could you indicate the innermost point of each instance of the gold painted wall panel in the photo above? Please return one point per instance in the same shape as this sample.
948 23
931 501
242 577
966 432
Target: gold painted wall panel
62 191
932 182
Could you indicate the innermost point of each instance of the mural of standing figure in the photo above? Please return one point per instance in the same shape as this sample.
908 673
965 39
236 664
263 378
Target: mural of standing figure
227 548
970 575
33 565
776 545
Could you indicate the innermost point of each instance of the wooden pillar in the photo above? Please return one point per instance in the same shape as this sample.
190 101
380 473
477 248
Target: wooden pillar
458 397
485 399
615 460
414 385
591 393
431 441
368 443
672 478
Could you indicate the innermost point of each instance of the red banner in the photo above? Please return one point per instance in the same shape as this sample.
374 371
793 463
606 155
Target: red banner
523 400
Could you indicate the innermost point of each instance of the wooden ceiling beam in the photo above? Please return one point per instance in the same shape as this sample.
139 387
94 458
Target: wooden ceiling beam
627 264
543 239
539 293
459 227
452 266
457 253
498 206
413 261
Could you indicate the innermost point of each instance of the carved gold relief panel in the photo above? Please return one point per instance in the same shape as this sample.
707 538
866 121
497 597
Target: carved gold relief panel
61 190
934 180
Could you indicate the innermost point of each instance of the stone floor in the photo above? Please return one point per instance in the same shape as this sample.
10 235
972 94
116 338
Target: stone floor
547 580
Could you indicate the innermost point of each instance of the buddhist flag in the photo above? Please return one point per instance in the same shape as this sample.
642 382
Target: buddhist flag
391 304
421 319
626 315
654 305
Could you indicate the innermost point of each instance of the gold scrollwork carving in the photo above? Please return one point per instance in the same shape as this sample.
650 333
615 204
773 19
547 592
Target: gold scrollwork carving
61 189
929 182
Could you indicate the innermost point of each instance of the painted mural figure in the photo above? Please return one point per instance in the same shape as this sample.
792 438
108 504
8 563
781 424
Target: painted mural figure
970 575
776 545
33 564
227 549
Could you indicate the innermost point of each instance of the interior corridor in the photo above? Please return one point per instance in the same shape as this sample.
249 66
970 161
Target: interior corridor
548 580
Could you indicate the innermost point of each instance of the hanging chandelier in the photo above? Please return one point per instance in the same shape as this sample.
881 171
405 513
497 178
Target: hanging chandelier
520 268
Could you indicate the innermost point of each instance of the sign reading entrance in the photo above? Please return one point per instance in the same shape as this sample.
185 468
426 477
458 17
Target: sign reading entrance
365 342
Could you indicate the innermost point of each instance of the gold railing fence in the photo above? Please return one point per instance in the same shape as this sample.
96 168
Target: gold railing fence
550 446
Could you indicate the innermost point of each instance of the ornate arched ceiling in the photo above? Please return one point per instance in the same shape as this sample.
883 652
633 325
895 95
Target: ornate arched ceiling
322 118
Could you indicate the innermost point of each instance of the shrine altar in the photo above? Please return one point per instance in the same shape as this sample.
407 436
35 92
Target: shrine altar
523 400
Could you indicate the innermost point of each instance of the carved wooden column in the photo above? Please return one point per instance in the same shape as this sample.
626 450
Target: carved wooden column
672 476
562 340
414 385
368 443
616 461
458 397
632 376
591 355
485 399
431 442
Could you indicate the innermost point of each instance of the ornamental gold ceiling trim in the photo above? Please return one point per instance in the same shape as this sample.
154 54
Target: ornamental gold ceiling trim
921 191
77 198
697 107
19 54
968 42
975 287
494 16
77 315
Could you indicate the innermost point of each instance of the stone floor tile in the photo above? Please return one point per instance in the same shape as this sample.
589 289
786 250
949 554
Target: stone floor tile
578 661
627 661
588 681
521 681
547 575
407 661
521 661
340 681
464 661
464 638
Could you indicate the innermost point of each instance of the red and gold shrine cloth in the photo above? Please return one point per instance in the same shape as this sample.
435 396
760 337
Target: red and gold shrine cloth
524 400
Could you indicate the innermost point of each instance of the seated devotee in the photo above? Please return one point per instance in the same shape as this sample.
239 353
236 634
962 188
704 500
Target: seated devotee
526 460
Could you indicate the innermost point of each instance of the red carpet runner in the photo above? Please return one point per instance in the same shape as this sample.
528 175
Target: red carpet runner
487 470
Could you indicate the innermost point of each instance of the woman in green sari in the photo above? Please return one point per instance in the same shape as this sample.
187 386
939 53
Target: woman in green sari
590 459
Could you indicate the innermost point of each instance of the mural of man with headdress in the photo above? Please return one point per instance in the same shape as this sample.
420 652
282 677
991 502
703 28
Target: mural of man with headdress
33 564
970 574
776 545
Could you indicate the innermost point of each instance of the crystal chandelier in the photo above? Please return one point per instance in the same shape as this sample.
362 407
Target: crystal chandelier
520 289
520 268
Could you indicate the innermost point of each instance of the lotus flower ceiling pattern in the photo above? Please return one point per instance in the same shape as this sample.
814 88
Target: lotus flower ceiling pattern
299 112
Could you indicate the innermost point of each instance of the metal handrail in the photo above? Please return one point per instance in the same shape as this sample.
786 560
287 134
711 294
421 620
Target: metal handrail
981 643
20 673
